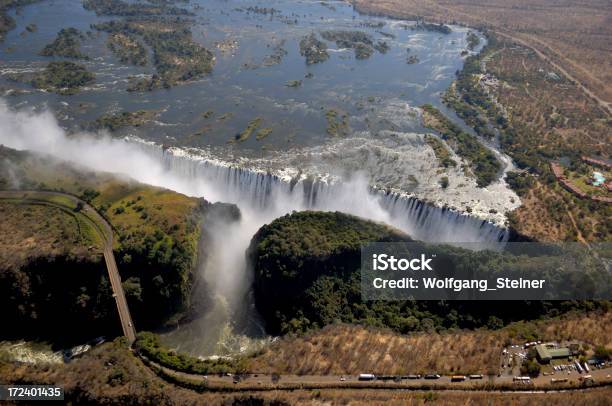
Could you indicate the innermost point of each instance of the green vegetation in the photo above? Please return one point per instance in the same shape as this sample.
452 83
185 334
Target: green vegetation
145 85
253 127
313 49
508 90
156 231
277 55
300 257
262 10
581 174
442 154
263 133
50 233
432 27
294 83
471 102
116 121
382 47
177 58
362 43
412 59
363 51
483 162
121 8
519 182
307 275
247 132
7 22
473 40
148 344
336 126
444 182
347 39
66 44
128 49
602 353
63 77
530 366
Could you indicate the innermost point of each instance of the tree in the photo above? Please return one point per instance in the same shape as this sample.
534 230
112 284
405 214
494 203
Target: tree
444 182
133 289
530 368
494 323
602 353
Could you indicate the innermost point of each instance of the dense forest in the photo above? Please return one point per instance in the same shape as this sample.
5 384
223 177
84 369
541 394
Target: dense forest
156 232
307 275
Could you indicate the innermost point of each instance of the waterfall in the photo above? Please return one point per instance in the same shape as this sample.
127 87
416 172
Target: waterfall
274 196
262 195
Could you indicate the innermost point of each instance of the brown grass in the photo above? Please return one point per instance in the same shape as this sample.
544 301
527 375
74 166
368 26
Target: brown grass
575 34
533 217
166 210
347 349
554 113
29 231
555 118
397 398
111 374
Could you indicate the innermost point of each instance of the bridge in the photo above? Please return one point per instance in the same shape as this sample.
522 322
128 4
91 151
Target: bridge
70 203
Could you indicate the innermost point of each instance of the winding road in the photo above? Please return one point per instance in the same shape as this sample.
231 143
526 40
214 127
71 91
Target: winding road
106 233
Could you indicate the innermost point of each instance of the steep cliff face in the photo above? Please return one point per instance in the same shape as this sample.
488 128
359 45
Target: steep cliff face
306 268
52 275
51 262
51 296
307 275
268 191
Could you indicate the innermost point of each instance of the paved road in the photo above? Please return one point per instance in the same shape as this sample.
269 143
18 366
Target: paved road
106 233
259 382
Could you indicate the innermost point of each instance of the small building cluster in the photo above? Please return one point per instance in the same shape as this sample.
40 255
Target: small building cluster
548 352
565 182
557 170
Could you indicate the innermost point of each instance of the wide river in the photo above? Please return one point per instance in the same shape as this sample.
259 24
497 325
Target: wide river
257 55
373 101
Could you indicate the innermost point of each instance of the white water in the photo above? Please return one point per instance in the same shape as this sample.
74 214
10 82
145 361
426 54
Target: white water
261 197
271 196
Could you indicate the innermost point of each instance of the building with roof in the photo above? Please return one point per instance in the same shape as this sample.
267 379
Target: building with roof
546 353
